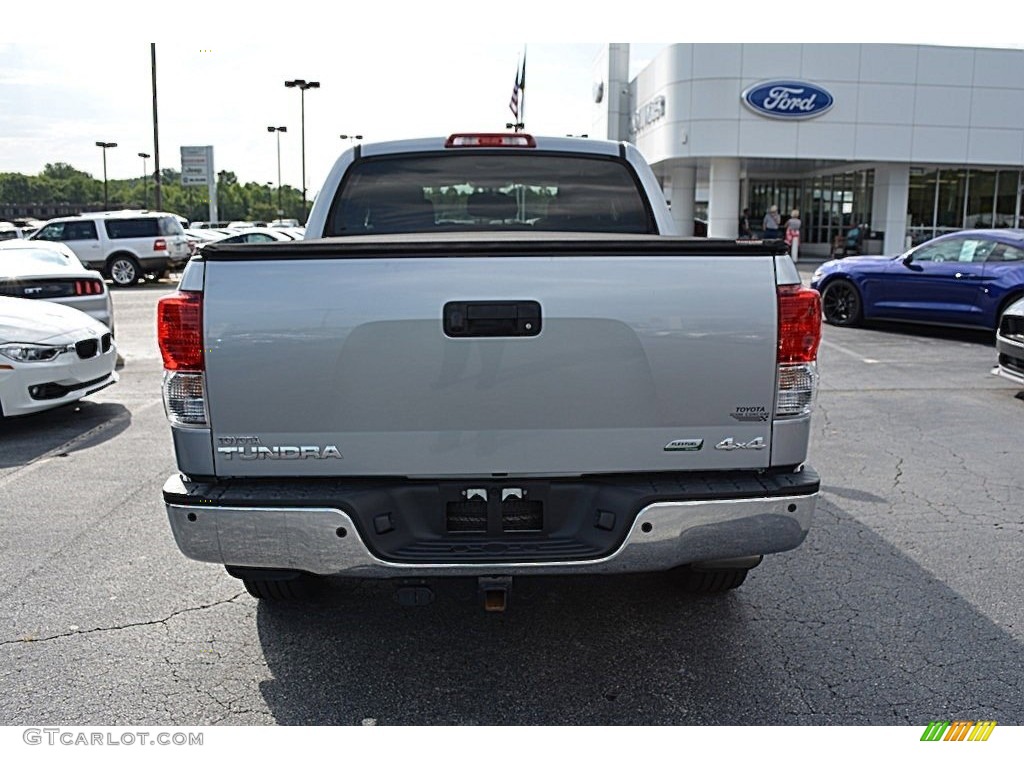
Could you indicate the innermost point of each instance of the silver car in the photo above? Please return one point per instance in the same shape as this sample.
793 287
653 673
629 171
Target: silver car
1010 343
31 269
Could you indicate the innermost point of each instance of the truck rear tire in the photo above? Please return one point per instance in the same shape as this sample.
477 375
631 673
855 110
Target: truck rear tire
275 586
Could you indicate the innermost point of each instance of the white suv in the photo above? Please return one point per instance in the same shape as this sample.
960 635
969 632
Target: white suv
124 245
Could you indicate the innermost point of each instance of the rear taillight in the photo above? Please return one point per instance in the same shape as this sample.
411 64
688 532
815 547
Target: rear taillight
799 337
185 399
160 245
490 140
799 324
88 287
179 330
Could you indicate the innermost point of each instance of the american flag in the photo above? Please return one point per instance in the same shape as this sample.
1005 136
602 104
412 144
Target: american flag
519 87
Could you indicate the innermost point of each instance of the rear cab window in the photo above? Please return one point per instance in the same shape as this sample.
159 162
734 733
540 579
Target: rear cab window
490 191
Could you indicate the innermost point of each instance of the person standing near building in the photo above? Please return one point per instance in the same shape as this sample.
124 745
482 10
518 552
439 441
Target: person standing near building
793 233
745 232
771 223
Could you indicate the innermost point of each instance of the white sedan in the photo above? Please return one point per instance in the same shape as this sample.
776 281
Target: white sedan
51 355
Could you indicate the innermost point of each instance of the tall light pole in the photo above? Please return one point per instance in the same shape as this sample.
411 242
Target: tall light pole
145 181
279 130
158 197
303 86
105 145
353 138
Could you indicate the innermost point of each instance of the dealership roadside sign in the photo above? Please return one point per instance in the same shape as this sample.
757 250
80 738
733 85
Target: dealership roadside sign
197 171
196 166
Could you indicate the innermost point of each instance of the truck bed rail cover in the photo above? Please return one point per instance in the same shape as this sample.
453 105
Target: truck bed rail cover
482 244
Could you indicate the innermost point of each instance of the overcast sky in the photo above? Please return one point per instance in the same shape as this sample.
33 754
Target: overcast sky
56 102
395 70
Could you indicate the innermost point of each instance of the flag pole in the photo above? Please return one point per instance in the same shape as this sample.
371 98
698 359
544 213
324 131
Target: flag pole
522 93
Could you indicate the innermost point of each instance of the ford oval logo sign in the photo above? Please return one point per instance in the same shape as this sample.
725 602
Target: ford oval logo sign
788 99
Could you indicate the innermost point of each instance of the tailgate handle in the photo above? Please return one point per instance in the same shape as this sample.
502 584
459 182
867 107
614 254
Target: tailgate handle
469 319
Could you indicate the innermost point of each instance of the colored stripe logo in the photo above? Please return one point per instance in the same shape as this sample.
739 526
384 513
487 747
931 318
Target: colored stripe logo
959 730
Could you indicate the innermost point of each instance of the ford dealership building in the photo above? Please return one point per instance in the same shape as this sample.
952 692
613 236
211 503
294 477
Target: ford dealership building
912 141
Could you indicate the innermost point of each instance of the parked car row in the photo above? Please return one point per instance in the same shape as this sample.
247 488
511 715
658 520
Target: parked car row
62 348
126 246
9 231
59 349
972 278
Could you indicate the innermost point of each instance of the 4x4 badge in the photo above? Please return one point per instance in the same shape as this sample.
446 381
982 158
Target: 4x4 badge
689 444
729 444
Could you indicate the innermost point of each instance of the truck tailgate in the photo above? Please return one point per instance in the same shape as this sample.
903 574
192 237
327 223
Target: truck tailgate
343 367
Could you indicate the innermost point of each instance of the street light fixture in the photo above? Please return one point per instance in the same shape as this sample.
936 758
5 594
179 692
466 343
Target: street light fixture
145 181
278 130
303 86
352 138
105 145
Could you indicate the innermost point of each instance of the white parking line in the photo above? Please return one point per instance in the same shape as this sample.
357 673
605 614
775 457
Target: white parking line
849 352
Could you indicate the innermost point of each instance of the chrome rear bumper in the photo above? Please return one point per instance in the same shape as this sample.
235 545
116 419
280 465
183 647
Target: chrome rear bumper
326 540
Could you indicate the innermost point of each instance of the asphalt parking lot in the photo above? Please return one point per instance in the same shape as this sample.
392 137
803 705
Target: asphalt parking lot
901 607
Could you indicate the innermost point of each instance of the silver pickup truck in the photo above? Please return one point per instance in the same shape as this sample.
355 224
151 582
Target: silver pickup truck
491 359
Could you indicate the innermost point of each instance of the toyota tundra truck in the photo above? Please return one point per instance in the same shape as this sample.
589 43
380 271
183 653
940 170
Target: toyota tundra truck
491 357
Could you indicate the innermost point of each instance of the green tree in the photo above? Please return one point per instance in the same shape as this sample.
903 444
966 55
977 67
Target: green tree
62 184
63 171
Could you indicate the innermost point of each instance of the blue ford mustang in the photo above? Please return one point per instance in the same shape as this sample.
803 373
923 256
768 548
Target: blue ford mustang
965 278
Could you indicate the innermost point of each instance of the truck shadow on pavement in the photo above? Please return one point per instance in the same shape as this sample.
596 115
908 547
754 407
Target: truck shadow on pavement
845 630
70 427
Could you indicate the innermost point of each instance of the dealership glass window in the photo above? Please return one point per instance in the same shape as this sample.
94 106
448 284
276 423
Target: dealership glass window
921 200
829 205
981 187
863 196
1008 201
949 213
